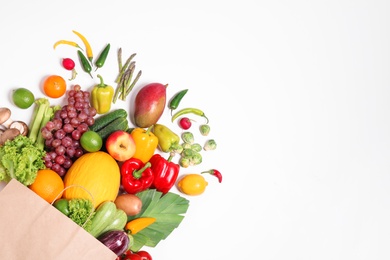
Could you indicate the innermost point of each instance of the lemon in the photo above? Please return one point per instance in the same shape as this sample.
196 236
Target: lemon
91 141
192 184
23 98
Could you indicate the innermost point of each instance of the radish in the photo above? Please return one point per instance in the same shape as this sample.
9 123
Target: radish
185 123
68 63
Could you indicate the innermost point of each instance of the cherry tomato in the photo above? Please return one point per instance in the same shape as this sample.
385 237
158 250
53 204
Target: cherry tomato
144 255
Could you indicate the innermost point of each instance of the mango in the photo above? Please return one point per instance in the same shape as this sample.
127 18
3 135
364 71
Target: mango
149 104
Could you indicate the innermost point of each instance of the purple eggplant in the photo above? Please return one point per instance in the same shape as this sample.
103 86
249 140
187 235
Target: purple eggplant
116 240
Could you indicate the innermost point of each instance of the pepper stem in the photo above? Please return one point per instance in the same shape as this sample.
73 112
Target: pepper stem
149 129
101 84
206 118
171 155
138 173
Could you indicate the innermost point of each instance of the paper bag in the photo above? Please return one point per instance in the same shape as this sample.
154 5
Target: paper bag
31 228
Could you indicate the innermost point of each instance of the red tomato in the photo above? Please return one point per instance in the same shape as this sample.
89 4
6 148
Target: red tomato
144 255
133 257
129 255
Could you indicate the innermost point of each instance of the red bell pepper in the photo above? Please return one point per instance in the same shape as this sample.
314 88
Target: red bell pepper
165 172
136 176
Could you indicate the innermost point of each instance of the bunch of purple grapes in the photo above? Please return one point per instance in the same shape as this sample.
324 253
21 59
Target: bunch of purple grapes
62 134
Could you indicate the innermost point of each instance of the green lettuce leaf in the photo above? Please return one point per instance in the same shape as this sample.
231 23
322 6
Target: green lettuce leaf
168 210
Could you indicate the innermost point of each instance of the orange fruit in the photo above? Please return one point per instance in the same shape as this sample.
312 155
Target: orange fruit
48 185
54 86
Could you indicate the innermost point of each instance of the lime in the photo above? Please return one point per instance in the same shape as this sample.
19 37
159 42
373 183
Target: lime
23 98
62 205
91 141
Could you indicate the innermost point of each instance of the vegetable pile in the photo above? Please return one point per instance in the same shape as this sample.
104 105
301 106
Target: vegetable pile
118 174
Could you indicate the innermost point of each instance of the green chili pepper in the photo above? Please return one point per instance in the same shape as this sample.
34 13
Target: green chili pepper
176 99
85 63
187 111
102 58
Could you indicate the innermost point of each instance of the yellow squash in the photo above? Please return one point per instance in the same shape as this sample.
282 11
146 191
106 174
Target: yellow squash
94 174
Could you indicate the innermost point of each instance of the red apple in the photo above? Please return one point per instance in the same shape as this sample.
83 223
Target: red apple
120 145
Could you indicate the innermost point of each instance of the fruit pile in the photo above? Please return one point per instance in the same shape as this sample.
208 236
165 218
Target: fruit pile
109 175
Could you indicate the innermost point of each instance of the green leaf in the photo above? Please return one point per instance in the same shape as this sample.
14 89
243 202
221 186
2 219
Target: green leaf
168 210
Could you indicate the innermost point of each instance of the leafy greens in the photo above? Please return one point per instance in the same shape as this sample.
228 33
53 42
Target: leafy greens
21 159
81 212
168 211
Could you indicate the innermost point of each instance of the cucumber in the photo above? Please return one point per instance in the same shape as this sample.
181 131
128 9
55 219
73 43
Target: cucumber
120 123
104 215
107 118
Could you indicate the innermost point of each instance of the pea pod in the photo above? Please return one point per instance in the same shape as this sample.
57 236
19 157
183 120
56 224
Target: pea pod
176 99
102 57
189 110
85 63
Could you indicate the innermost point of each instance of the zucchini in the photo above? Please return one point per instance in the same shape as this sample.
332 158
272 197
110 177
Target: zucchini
120 123
118 223
107 118
104 215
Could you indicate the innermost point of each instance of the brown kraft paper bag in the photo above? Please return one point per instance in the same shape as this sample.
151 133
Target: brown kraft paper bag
31 228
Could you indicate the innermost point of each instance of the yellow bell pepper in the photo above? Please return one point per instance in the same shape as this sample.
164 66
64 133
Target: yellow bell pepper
145 143
101 97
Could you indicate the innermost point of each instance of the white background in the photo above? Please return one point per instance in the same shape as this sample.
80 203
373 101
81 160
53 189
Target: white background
297 96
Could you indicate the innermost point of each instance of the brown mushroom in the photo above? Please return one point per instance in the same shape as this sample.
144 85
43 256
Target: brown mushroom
8 134
5 117
21 126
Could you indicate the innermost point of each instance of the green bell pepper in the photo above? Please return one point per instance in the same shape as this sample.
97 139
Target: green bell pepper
167 139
